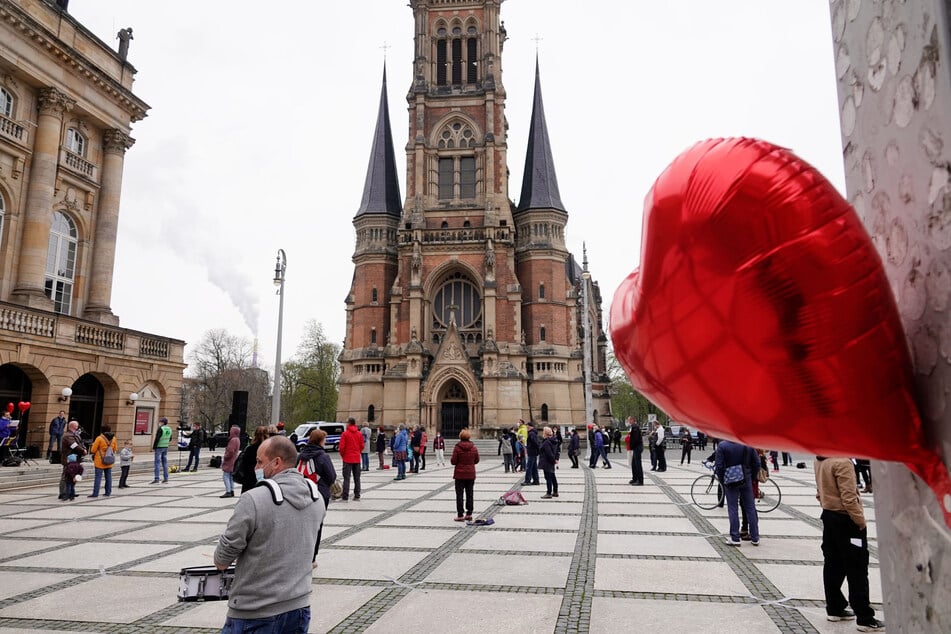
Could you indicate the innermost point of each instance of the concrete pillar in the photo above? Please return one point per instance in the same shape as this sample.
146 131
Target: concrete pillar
894 84
114 144
38 213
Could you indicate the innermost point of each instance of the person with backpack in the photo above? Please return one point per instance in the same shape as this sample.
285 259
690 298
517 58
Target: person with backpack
228 460
736 466
103 451
315 464
160 446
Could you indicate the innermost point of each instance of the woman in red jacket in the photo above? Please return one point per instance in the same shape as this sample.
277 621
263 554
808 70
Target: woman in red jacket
465 457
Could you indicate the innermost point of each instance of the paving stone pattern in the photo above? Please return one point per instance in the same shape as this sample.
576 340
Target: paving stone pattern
602 557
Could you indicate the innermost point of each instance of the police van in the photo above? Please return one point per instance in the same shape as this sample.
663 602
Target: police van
334 430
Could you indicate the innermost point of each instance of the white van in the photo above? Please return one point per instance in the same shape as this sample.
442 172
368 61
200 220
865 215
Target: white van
334 431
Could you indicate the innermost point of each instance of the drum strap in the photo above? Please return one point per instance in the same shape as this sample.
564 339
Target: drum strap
278 496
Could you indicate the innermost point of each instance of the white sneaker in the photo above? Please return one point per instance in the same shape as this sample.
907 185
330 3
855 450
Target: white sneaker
736 543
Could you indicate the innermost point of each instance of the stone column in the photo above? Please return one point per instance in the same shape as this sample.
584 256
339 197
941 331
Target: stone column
38 213
894 85
114 144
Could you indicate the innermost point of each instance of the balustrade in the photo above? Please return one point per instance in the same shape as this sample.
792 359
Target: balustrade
12 129
26 322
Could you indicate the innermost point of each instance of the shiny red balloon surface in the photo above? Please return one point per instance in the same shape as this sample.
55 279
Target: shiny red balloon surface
761 312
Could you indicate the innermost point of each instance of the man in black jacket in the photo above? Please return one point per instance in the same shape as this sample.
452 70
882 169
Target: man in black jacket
635 444
531 449
196 438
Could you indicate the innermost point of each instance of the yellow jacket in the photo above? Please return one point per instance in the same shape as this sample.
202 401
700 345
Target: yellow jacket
98 450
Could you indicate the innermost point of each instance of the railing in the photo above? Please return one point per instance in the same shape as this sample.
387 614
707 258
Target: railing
79 164
149 347
26 322
11 129
466 234
100 337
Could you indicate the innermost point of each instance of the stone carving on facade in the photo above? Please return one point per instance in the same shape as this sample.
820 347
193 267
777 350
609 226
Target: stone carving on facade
452 352
489 261
116 141
124 36
416 263
54 102
9 81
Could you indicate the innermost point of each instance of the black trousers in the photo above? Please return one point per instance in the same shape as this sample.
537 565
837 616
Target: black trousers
843 559
573 456
685 453
464 486
637 470
125 474
661 458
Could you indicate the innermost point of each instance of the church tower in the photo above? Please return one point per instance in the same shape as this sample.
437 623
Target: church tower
464 308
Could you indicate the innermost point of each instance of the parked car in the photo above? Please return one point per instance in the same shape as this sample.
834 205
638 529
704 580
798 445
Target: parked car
334 430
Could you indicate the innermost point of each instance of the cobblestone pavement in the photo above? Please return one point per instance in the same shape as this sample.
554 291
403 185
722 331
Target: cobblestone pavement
602 557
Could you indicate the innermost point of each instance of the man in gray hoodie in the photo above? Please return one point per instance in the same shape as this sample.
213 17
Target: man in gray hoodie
272 535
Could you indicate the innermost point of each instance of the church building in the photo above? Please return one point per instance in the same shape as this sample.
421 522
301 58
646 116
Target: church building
466 308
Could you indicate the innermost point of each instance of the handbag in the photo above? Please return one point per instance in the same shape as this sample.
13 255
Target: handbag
733 475
336 490
763 475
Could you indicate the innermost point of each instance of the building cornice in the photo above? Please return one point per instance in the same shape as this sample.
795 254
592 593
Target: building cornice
46 40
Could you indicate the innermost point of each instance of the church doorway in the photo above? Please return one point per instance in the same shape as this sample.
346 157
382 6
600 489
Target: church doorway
454 412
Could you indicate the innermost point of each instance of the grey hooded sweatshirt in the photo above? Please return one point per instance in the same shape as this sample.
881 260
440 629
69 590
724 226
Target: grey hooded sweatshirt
273 544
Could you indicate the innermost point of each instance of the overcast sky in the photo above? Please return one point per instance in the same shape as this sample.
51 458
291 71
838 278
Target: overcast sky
262 117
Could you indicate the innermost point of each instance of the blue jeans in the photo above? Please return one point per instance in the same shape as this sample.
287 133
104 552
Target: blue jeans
161 458
54 440
744 495
531 470
400 468
365 458
604 457
98 481
228 479
293 622
193 452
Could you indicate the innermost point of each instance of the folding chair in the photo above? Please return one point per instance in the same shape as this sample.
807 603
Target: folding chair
15 450
7 457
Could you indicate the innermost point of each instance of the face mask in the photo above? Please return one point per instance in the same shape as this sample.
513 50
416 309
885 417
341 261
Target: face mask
259 474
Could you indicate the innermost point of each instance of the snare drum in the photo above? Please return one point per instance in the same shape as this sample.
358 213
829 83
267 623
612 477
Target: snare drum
204 583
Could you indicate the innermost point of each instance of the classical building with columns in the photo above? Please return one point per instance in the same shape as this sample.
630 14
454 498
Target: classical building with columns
467 309
66 107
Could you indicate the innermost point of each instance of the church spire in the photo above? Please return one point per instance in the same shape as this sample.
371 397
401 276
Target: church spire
381 192
539 183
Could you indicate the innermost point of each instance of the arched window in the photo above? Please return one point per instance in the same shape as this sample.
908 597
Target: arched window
61 262
544 412
459 299
541 291
76 142
457 55
373 296
371 414
373 336
541 333
6 103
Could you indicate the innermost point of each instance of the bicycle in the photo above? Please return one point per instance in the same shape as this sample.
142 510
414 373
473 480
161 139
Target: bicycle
707 493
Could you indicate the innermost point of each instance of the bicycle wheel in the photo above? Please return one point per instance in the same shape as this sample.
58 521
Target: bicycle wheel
770 496
705 492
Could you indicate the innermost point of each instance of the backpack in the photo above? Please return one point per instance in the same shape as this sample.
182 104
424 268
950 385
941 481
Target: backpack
512 498
108 457
236 472
308 469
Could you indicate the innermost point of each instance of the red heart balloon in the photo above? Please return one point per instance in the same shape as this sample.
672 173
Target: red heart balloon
24 405
10 408
761 312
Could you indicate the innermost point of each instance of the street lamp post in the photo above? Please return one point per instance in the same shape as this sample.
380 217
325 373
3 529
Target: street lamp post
279 269
586 325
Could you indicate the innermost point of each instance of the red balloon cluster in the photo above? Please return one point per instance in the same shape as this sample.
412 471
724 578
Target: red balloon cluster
761 312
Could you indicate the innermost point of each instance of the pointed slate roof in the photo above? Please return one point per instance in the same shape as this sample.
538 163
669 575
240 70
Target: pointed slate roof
539 183
381 192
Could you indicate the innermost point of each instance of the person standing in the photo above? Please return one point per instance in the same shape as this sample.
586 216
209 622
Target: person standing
660 449
574 445
423 441
616 439
380 446
351 445
227 460
414 443
464 457
844 544
400 447
195 440
126 456
72 446
686 443
600 438
521 439
104 450
531 450
160 446
57 427
243 471
787 459
367 433
652 447
548 460
505 445
322 467
272 581
439 447
635 445
735 465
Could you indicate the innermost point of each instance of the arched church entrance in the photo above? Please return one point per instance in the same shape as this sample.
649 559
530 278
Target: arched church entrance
454 410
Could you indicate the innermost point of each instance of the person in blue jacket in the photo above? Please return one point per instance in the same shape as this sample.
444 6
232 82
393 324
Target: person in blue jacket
400 447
